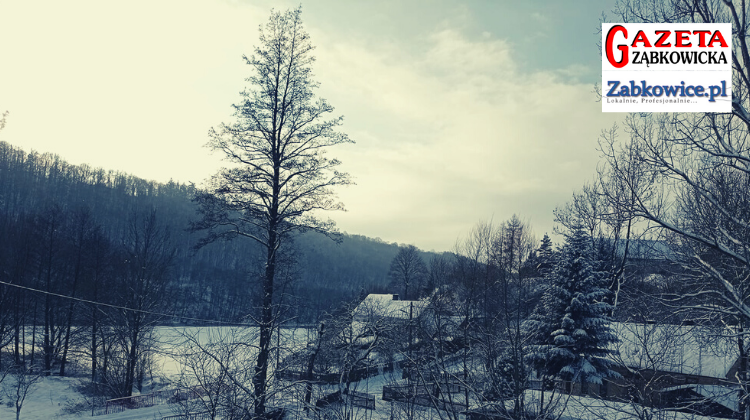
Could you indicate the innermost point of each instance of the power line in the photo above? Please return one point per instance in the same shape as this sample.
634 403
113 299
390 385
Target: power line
125 308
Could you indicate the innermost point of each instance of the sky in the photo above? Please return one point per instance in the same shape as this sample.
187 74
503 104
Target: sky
461 111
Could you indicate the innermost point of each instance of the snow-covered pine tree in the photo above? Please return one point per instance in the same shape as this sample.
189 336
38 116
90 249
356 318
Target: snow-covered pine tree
545 256
570 328
541 324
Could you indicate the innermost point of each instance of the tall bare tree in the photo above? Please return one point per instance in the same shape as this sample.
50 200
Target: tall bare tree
279 174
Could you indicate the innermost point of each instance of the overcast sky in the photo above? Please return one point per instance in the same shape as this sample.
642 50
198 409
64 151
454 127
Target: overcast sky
461 111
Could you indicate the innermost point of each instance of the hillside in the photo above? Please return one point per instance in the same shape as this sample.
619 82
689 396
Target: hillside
44 201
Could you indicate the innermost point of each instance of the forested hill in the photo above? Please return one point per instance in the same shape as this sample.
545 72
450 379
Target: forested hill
57 220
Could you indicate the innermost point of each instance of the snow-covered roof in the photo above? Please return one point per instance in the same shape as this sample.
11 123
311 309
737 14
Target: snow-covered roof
688 350
720 394
571 407
379 305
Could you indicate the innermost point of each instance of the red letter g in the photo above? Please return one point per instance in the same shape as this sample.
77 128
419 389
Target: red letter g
623 48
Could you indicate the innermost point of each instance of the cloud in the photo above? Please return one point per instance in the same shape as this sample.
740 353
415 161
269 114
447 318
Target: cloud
449 128
461 135
539 17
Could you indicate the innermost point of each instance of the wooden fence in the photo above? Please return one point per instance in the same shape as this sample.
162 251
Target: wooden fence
361 399
118 405
203 415
271 414
355 375
358 399
427 395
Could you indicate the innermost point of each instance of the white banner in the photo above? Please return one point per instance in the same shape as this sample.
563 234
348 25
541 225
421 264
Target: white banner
660 67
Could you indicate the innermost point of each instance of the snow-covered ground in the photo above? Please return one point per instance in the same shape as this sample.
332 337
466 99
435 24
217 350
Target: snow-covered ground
54 397
57 397
54 394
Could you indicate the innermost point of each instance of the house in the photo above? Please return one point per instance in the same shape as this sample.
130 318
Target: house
683 367
386 313
388 306
358 349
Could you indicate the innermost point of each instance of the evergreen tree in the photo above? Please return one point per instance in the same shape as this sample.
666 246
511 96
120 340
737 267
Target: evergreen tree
570 328
545 256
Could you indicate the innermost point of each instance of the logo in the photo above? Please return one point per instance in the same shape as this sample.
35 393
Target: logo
655 67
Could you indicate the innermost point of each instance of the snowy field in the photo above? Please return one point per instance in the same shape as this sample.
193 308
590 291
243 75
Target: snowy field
53 397
56 397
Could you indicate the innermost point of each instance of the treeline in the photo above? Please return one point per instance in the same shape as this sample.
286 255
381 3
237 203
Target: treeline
206 280
89 234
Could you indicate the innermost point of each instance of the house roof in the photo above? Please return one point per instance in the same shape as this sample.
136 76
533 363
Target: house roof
720 394
688 350
380 305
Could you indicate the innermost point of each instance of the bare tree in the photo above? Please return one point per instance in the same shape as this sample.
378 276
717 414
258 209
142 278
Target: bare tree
475 276
408 270
506 340
215 365
438 272
24 381
142 286
431 378
280 174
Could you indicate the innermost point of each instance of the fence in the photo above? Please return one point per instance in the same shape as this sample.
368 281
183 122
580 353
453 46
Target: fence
327 378
271 414
361 399
118 405
443 378
427 395
295 375
333 378
203 415
358 399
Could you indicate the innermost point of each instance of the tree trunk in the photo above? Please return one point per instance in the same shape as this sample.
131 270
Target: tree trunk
266 327
311 366
17 330
132 359
93 336
47 344
33 335
105 356
48 317
94 328
66 342
69 322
